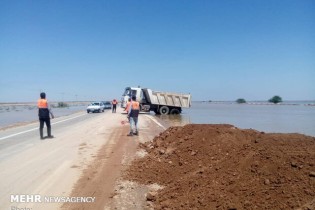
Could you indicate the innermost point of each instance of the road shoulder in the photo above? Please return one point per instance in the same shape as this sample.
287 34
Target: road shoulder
102 178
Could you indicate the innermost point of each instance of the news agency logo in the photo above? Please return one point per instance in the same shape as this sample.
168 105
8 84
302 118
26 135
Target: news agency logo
28 198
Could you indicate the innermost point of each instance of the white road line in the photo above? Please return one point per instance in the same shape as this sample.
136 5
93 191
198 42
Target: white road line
33 129
154 120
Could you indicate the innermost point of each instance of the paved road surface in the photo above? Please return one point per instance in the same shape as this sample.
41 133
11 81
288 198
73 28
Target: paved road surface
51 167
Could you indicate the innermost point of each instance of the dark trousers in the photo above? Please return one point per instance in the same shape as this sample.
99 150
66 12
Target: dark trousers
41 126
114 108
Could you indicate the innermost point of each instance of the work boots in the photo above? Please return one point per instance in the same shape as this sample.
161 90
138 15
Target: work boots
49 133
132 134
41 132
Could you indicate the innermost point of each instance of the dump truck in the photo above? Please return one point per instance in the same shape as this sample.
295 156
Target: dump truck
157 101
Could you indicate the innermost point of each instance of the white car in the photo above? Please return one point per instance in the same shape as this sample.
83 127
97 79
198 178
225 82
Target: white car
95 107
107 104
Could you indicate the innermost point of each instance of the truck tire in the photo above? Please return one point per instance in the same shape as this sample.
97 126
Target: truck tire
156 111
164 110
175 111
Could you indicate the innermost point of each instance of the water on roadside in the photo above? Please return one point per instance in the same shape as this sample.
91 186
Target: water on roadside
19 114
292 118
298 118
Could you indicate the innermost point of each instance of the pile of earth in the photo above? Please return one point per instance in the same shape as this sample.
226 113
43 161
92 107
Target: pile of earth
224 167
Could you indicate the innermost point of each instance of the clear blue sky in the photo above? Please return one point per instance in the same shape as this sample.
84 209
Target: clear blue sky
215 50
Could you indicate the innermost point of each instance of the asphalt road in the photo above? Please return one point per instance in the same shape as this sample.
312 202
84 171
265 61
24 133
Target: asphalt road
15 140
50 167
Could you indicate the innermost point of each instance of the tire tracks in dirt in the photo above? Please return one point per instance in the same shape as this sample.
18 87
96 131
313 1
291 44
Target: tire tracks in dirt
102 178
98 179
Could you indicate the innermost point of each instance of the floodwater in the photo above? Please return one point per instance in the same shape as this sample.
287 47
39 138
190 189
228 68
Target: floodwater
297 118
289 118
19 114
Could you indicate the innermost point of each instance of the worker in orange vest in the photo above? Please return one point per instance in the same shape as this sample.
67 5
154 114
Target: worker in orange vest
128 105
133 114
114 103
44 113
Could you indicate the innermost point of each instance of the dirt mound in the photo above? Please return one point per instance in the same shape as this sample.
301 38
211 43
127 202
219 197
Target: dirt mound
223 167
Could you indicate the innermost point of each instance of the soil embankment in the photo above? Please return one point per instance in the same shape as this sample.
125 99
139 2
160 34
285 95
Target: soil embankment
223 167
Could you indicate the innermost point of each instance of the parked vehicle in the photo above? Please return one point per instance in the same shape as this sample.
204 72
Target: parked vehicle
107 104
157 101
95 107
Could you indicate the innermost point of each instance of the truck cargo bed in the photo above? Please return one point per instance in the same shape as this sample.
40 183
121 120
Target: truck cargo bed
169 99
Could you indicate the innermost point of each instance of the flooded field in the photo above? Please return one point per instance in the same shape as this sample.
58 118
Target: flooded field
291 118
285 118
15 114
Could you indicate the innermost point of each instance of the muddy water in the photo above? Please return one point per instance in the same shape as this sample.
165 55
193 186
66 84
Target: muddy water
294 118
17 114
298 118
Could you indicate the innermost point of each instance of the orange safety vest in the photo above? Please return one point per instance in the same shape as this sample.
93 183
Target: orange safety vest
127 106
135 109
135 105
42 103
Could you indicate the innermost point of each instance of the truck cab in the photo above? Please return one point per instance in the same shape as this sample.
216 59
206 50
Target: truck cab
129 92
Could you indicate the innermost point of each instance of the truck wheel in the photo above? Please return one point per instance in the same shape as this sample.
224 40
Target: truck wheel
88 111
156 111
174 111
164 110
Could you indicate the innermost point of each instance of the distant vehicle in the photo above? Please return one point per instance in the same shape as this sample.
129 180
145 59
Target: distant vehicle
107 104
157 101
95 107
